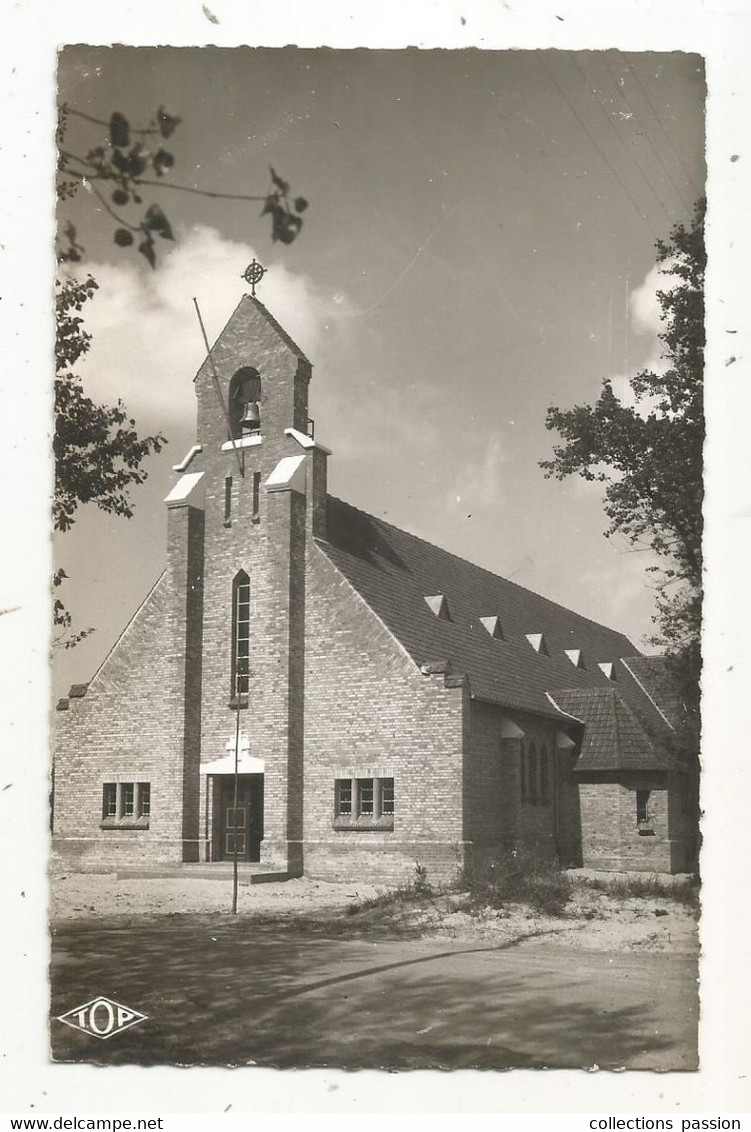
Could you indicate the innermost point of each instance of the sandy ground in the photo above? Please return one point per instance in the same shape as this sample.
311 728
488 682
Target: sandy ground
593 920
85 895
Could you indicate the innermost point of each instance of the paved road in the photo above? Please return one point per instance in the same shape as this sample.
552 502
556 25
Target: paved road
243 993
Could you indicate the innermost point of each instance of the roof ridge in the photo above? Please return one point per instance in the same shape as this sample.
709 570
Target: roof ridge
484 569
276 326
650 697
126 627
616 721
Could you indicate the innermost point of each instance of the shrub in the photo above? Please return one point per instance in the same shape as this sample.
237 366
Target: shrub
408 892
520 878
420 883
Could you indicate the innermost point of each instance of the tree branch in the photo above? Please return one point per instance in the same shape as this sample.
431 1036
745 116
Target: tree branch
101 122
108 207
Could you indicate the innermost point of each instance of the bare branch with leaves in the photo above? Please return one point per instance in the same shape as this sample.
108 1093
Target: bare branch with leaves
127 159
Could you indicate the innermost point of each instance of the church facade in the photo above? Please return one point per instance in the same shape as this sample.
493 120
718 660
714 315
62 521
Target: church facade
317 691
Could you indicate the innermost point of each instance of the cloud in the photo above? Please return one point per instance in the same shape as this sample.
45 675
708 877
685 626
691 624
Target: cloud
646 313
147 343
479 483
647 317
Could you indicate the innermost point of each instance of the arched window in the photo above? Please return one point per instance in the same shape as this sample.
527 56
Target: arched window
245 402
240 634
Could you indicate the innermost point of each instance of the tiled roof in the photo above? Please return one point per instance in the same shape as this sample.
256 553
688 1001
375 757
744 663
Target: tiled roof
394 572
654 675
613 738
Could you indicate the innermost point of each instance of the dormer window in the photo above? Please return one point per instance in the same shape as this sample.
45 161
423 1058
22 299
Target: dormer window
493 626
245 403
575 656
537 641
439 606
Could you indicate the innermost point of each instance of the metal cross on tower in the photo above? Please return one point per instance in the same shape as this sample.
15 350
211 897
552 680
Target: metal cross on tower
253 274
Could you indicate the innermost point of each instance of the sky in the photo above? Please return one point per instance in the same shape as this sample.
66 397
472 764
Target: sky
479 245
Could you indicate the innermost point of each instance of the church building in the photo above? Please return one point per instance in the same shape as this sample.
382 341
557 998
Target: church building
318 692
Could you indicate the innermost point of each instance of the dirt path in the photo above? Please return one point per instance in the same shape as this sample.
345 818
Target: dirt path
593 921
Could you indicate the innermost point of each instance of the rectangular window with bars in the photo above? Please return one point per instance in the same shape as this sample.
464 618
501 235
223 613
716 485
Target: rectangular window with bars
343 796
144 799
126 803
365 796
109 800
642 807
356 800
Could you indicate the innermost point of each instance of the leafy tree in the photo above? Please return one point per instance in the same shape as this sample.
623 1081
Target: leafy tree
649 455
98 453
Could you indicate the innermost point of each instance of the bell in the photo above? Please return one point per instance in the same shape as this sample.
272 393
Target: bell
251 418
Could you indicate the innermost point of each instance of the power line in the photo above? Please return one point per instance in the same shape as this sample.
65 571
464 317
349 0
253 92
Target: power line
598 147
590 90
648 100
644 131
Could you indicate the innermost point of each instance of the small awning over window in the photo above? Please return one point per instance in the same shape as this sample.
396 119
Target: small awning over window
246 764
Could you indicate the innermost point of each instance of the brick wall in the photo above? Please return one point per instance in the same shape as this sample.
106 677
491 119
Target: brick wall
119 731
369 710
610 836
497 818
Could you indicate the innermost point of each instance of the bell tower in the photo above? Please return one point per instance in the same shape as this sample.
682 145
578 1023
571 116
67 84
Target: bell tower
262 483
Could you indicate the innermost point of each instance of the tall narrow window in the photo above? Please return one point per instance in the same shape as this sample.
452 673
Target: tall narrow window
227 501
544 777
523 773
642 807
365 796
128 789
387 796
343 797
256 512
144 799
109 800
240 634
532 784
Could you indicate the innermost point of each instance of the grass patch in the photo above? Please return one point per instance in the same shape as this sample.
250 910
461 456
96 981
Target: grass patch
520 878
646 887
415 892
